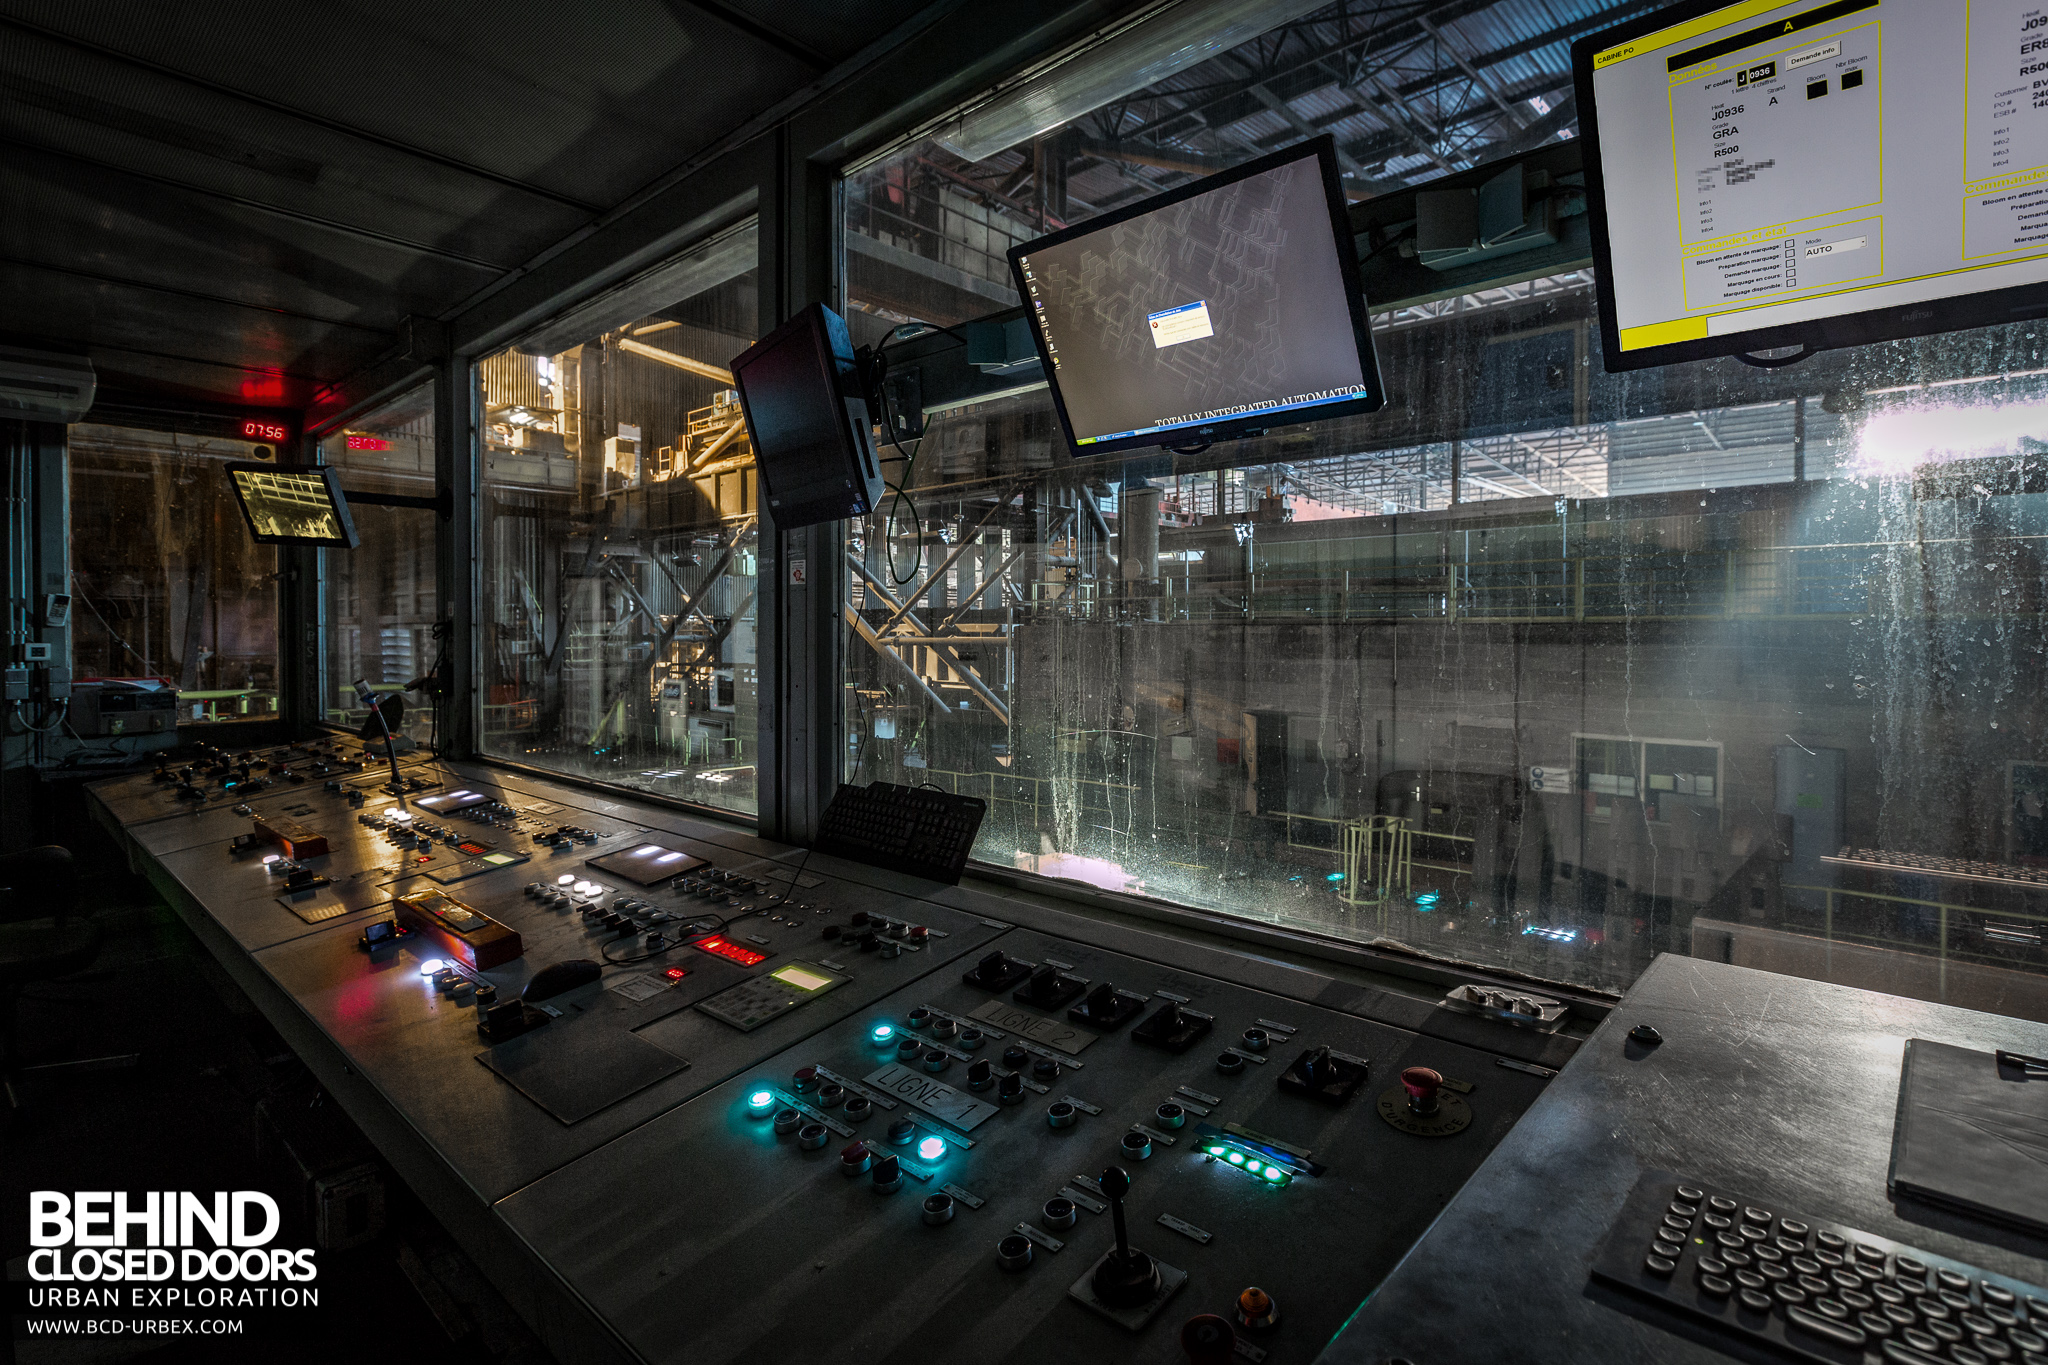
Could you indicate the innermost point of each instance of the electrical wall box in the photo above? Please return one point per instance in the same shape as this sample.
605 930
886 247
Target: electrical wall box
49 684
1507 214
999 346
17 683
328 1178
30 652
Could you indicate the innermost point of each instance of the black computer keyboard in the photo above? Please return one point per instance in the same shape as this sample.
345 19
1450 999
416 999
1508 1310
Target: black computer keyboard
1819 1290
918 830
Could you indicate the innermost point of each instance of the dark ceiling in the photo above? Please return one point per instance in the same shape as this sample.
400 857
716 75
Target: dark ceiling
240 202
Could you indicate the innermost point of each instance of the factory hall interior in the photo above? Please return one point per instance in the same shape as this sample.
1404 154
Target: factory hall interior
1121 682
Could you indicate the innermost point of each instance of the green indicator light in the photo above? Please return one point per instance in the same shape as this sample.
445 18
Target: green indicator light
760 1102
1215 1151
1274 1173
1236 1159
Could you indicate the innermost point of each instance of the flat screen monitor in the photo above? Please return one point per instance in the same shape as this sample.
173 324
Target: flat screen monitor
807 414
1823 173
293 505
1215 310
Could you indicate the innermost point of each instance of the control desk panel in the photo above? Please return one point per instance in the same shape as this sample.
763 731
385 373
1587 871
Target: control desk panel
934 1177
892 1120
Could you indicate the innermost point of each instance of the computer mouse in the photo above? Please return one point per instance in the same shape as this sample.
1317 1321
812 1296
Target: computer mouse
557 977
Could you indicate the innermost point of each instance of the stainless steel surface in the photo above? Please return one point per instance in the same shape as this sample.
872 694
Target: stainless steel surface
1780 1087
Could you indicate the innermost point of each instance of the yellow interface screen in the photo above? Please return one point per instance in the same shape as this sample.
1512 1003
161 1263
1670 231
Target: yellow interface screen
1771 163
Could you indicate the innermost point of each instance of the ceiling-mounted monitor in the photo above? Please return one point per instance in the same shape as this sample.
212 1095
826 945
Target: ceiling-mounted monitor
1210 312
1824 173
807 411
293 505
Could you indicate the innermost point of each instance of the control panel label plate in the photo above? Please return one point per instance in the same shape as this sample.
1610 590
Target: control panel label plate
1037 1028
940 1101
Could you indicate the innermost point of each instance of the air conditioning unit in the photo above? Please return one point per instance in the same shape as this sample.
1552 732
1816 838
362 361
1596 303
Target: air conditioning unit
45 387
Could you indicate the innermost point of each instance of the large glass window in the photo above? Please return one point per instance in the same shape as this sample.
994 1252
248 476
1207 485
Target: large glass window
378 602
620 537
1539 668
167 582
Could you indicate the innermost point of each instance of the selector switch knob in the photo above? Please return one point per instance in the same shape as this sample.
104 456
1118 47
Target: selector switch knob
854 1159
1014 1252
981 1074
887 1175
1011 1090
1208 1340
1256 1309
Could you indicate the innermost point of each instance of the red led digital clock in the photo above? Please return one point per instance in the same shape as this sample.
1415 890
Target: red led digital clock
720 946
265 431
367 443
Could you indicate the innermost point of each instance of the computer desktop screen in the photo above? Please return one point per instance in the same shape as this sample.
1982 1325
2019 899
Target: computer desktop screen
1225 306
1769 174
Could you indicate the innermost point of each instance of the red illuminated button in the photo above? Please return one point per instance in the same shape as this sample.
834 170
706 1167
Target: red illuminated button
676 973
720 946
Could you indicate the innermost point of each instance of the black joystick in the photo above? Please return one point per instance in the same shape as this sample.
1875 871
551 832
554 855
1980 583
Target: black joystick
1127 1277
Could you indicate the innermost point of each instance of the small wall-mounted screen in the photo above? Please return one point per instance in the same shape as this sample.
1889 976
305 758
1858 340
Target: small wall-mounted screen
293 505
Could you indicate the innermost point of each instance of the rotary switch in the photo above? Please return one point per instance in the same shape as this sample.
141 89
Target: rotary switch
1256 1309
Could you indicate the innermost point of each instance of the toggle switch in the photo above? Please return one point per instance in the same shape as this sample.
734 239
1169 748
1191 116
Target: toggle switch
1106 1008
997 972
